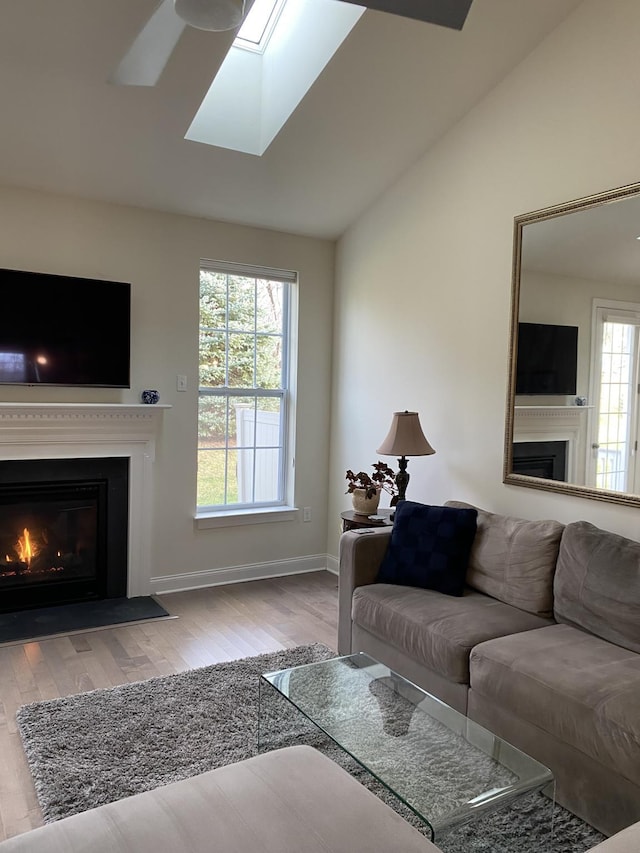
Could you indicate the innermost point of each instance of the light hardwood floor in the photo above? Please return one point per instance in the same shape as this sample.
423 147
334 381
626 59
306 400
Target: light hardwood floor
216 624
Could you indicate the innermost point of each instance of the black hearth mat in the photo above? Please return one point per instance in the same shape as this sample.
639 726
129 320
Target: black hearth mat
65 618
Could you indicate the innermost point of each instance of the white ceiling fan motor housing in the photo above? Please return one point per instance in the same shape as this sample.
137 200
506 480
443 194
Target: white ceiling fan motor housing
216 15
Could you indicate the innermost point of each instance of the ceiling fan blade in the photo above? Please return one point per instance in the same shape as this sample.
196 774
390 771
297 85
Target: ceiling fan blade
445 13
145 60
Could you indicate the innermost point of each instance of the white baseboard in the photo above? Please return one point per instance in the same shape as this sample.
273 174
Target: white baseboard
333 565
238 574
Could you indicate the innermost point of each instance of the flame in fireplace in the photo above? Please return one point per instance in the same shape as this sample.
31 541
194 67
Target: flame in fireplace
25 547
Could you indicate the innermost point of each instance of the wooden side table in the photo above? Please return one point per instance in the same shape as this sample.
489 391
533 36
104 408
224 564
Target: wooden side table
354 521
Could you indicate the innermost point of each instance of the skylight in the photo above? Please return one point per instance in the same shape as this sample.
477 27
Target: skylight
259 85
258 25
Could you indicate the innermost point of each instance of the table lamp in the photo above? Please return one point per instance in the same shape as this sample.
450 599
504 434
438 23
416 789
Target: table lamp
405 438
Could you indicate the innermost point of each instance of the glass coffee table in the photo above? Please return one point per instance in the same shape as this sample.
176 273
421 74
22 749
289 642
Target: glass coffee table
440 764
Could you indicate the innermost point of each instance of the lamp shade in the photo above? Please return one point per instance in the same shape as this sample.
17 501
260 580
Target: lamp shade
216 15
405 438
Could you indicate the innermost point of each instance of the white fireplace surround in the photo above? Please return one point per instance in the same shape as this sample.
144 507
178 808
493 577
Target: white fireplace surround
556 423
85 430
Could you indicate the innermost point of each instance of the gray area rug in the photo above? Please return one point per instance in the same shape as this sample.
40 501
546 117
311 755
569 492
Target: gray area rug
92 748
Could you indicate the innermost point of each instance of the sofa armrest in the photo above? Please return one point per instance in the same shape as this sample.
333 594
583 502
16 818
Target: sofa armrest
361 553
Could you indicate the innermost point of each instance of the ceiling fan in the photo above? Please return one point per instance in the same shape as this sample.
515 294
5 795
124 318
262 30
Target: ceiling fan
145 60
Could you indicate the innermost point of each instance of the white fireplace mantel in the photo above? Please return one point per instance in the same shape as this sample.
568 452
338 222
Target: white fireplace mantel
81 430
35 421
567 414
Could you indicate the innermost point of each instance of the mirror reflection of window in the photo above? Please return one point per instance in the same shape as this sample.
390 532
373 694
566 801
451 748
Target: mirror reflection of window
13 367
614 435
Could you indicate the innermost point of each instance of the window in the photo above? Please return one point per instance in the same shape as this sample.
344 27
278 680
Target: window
615 393
244 393
258 25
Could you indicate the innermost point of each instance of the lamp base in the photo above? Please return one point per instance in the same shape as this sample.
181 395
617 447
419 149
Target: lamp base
402 478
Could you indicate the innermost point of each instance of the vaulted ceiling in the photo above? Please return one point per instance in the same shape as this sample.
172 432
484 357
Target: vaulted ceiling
393 88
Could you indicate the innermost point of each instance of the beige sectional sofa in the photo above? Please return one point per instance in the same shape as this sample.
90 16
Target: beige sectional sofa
543 647
291 799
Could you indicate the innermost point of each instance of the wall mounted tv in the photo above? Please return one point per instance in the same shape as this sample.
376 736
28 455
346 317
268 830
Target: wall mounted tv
547 359
64 330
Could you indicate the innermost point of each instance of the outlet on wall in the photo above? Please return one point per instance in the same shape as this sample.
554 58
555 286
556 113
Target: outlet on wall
306 513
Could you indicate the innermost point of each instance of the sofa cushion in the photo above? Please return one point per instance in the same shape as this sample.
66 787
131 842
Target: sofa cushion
429 547
513 559
597 584
577 687
436 631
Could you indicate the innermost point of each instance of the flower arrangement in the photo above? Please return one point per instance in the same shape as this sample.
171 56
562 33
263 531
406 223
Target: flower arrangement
383 478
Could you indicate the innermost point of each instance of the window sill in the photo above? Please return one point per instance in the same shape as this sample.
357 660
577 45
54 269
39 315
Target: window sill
236 518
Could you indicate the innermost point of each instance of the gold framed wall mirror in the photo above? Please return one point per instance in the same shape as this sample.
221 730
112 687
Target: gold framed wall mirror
573 399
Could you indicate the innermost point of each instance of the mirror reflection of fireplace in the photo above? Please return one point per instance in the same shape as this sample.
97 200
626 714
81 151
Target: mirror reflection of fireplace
63 531
546 459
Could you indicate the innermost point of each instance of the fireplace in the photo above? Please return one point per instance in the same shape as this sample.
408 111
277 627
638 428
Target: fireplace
93 432
63 531
546 459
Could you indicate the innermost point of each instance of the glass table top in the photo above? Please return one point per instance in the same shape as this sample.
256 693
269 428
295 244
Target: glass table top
444 767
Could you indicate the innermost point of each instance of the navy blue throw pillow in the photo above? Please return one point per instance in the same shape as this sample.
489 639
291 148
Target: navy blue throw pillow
429 547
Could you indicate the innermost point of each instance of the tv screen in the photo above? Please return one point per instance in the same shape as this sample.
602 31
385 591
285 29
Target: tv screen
63 330
547 359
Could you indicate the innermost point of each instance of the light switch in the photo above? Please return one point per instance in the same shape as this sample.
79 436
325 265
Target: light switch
181 382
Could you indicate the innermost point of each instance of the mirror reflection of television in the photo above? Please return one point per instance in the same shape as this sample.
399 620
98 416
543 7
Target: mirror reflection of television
64 330
547 361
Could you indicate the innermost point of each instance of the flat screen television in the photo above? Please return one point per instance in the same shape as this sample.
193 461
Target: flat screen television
547 361
64 330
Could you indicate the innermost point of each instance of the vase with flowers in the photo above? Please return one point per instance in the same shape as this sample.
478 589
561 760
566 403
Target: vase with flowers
366 489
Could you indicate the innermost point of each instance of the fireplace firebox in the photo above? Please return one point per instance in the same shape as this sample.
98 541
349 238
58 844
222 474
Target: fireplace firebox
63 531
546 459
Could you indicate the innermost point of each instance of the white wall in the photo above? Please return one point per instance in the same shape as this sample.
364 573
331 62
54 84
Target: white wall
423 283
159 254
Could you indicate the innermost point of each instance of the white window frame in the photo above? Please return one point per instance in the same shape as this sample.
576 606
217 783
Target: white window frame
627 313
243 43
283 509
